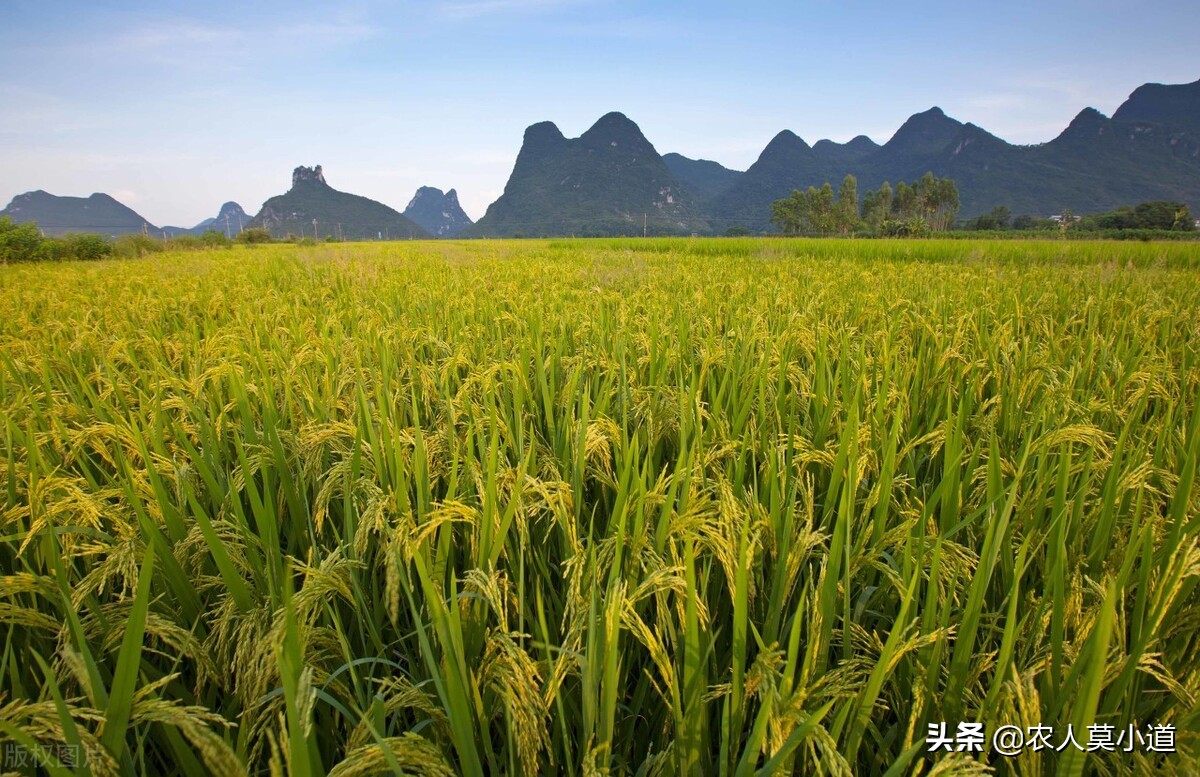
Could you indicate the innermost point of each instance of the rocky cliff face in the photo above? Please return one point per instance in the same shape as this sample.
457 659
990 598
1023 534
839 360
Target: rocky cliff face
302 175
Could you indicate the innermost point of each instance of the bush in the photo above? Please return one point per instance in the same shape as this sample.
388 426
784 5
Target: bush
214 239
913 227
1027 222
19 242
82 247
1151 215
210 239
254 235
25 243
183 243
134 246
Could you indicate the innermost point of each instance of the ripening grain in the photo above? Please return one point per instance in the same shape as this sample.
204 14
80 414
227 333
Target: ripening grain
655 507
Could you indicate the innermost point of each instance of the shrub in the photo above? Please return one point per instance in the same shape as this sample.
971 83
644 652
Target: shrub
19 242
912 227
254 235
183 243
214 239
134 246
79 246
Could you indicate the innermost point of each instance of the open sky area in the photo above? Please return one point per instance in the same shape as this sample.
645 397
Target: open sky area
174 108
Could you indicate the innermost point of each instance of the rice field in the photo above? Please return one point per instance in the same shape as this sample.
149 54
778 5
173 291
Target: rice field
663 507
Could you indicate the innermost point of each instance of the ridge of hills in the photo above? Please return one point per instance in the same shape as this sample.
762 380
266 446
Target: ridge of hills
702 177
612 180
313 208
609 180
229 221
436 212
99 213
1096 164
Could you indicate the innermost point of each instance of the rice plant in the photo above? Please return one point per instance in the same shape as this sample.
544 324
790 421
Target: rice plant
662 507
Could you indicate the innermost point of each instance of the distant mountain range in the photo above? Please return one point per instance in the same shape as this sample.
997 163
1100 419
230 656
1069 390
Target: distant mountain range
229 221
1149 150
703 178
1174 105
611 179
437 213
314 208
98 213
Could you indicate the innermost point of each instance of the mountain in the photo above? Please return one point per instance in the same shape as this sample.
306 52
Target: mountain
1100 163
701 177
1149 149
845 153
99 213
1173 105
785 164
608 181
230 220
437 213
336 213
923 134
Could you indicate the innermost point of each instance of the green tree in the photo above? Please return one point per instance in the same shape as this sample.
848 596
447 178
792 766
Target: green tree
1026 221
821 212
1183 220
847 205
1158 214
936 201
19 242
877 206
215 239
927 194
904 204
1065 221
1153 214
86 247
996 219
790 213
254 235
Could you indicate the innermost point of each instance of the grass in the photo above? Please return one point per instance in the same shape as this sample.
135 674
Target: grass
645 507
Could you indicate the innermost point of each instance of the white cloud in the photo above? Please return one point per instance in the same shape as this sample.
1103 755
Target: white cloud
182 43
326 33
470 9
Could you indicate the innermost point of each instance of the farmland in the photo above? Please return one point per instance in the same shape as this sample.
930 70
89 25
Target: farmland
650 506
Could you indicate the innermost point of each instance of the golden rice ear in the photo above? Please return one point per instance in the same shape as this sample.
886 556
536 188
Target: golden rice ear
197 725
398 694
515 681
412 753
41 725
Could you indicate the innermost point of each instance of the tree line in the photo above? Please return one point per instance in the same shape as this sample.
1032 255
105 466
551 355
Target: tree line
1153 215
24 242
927 205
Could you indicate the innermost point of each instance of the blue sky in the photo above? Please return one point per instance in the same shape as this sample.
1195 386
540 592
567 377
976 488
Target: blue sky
174 108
